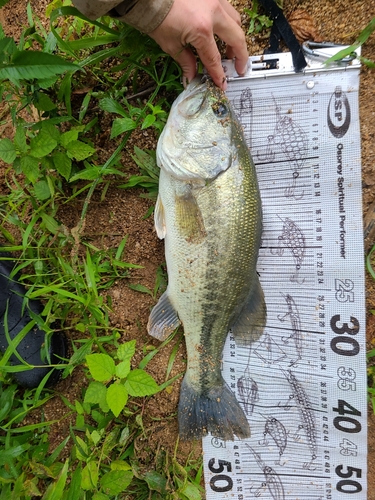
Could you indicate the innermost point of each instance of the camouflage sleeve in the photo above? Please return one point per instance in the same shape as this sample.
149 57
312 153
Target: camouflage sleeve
145 15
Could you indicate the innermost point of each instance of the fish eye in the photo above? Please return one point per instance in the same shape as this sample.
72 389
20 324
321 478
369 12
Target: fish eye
220 109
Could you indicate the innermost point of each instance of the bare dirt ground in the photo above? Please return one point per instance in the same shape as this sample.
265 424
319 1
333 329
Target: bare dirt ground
121 212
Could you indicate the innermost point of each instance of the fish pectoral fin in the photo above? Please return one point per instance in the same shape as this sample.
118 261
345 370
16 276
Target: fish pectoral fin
249 326
189 217
159 218
163 319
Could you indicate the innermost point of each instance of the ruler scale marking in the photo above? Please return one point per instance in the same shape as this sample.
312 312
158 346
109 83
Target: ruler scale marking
302 385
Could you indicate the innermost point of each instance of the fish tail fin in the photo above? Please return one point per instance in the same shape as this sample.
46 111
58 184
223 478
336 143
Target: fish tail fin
217 412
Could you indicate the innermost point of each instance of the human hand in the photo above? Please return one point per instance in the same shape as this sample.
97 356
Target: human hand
194 22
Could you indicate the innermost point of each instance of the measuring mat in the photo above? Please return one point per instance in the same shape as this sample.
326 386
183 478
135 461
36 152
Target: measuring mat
302 385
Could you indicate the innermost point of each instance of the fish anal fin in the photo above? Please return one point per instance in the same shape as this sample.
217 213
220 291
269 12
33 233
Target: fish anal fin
249 325
163 319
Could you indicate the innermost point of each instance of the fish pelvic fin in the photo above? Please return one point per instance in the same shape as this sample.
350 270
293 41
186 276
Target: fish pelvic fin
217 412
163 319
249 325
159 218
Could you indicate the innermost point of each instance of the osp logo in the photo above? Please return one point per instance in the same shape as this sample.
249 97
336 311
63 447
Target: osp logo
338 113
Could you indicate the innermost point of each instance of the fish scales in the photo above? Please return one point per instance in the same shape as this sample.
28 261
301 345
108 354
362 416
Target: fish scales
209 213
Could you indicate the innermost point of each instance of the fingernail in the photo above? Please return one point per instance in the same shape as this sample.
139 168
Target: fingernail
224 85
184 82
247 66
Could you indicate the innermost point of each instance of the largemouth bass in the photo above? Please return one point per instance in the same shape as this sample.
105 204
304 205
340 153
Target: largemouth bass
209 213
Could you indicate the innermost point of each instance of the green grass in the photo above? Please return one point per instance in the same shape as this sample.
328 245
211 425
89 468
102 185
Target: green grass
54 160
361 39
52 95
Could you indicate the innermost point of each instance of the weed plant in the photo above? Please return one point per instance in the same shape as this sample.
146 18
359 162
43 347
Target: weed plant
53 159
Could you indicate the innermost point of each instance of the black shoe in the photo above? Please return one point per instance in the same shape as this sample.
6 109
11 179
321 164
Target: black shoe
31 346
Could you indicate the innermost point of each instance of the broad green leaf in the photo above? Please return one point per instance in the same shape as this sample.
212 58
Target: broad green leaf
146 160
121 125
96 393
79 408
89 174
31 489
100 496
123 368
90 476
148 121
30 167
115 481
191 491
126 351
30 65
82 450
140 288
46 83
51 224
65 92
43 143
50 127
156 481
39 469
101 366
120 465
44 103
7 150
79 150
95 437
63 164
139 383
70 135
41 190
7 48
140 180
20 139
111 106
117 397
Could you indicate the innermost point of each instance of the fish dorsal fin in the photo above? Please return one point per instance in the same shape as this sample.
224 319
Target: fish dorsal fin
251 321
163 319
159 218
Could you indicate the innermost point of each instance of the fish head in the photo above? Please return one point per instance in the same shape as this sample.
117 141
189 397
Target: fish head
197 141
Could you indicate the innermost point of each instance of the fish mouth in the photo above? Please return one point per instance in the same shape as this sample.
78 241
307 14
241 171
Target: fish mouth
196 94
194 99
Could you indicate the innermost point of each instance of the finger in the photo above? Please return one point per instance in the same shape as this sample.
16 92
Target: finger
187 61
182 55
211 60
230 32
231 11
